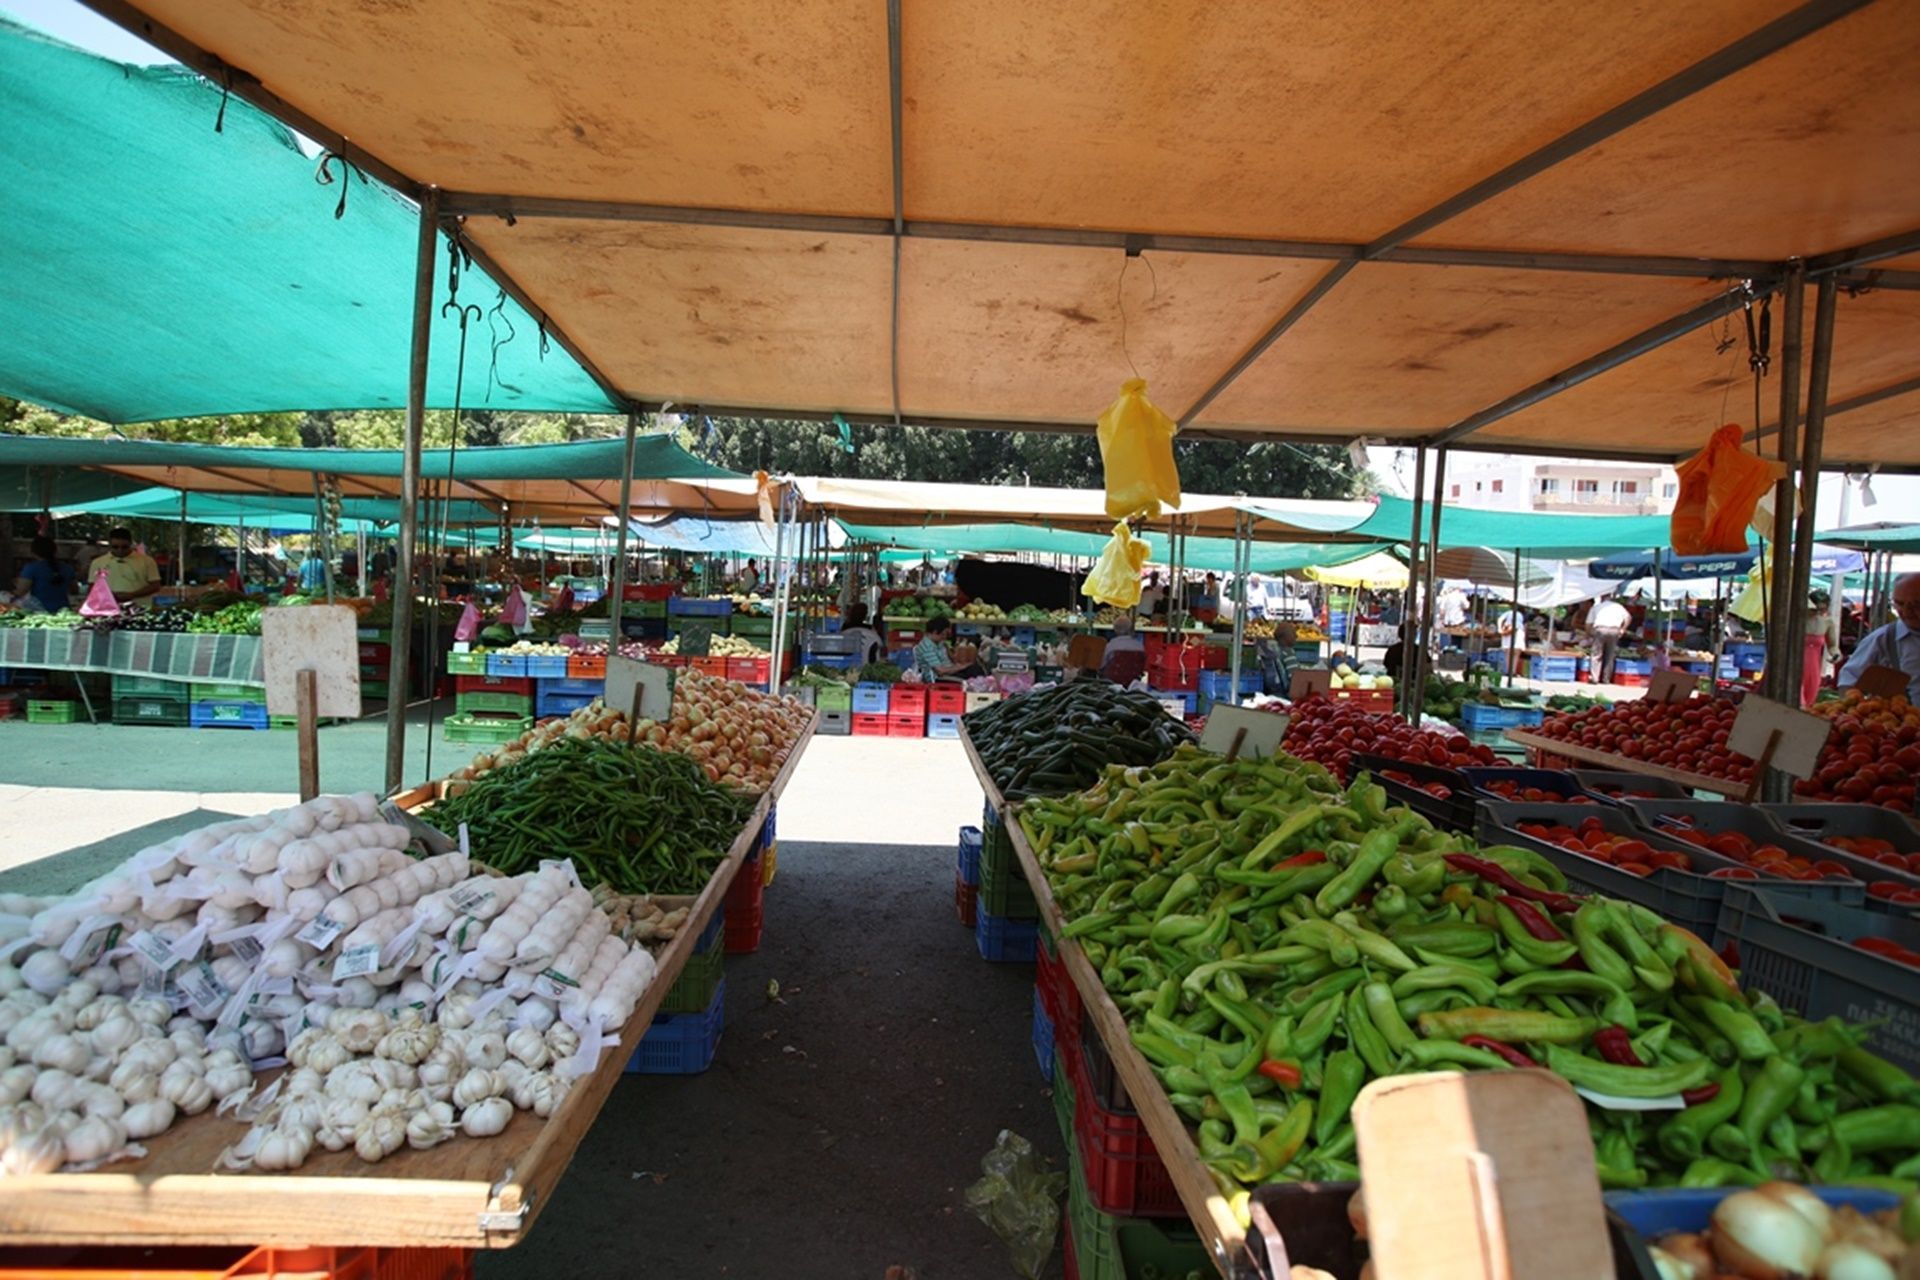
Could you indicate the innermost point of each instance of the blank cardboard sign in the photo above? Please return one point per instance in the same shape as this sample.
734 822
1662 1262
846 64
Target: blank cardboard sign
1671 686
1309 681
1882 682
1801 734
655 684
1258 733
322 638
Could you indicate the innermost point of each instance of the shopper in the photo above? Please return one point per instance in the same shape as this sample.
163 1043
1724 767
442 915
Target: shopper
313 574
1822 647
934 659
1895 645
1607 621
750 578
130 574
1152 595
45 579
867 643
1277 660
1513 638
1125 659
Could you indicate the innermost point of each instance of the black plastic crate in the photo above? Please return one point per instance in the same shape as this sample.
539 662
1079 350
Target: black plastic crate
1618 784
1454 812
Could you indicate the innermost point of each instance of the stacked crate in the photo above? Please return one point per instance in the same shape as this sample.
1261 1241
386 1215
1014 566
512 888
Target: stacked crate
228 706
376 662
149 700
490 708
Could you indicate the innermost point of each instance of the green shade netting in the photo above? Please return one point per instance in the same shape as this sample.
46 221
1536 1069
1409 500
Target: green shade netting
268 511
28 488
655 457
1552 537
1213 555
155 268
1897 538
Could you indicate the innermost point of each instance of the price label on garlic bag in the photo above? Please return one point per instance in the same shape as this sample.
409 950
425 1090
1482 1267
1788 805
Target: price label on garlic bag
555 985
246 949
357 962
90 940
155 951
467 899
153 984
320 933
202 990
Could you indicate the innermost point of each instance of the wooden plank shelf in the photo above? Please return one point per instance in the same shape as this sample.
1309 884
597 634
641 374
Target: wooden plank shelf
469 1193
1627 764
1212 1216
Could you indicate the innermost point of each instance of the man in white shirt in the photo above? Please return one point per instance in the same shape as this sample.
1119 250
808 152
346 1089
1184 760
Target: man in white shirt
1607 621
1152 595
1895 645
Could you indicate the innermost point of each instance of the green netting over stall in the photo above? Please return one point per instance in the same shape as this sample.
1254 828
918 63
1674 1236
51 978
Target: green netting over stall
157 268
1213 555
1540 535
263 511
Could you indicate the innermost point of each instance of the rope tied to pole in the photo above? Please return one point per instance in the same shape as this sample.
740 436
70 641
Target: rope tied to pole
323 174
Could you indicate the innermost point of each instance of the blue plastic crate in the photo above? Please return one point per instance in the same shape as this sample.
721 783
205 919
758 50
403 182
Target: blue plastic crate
1003 940
500 664
1481 715
968 866
1745 649
1042 1038
1748 661
592 688
682 1044
1190 698
1655 1213
560 704
902 658
943 726
711 934
826 626
769 832
547 666
1693 668
870 699
681 607
1216 684
832 661
1551 668
228 715
1632 667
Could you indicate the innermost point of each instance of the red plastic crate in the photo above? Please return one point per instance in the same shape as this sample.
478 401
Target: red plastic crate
522 685
869 726
907 726
376 654
1058 996
650 591
581 667
947 700
710 666
1125 1174
212 1262
1380 700
905 699
1173 669
966 901
746 907
749 670
1631 681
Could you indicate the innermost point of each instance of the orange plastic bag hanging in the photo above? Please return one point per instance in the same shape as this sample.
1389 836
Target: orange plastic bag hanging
1719 488
1115 579
1136 452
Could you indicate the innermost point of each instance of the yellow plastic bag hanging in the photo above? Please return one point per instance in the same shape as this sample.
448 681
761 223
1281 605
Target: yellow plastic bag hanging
1136 452
1115 579
1719 488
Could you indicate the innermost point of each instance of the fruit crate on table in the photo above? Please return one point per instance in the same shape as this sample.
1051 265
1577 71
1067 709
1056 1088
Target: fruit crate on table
682 1044
228 715
1563 787
1002 940
709 665
172 712
493 684
837 697
1712 818
505 704
947 700
939 726
1454 811
681 607
832 661
835 724
1802 953
752 625
1379 700
472 664
1483 715
1616 785
592 688
907 699
1632 667
975 701
472 728
1690 899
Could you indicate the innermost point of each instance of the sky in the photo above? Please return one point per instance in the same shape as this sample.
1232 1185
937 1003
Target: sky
1897 497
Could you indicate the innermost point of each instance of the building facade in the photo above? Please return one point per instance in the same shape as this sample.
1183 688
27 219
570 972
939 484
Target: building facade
1515 482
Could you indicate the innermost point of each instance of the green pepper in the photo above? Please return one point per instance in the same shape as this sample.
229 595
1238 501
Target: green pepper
1614 1158
1436 1053
1589 929
1340 1084
1435 999
1877 1077
1340 981
1325 936
1237 1104
1510 1026
1709 1171
1279 1146
1455 938
1429 977
1386 1017
1769 1094
1390 902
1314 1028
1891 1127
1185 887
1171 929
1538 952
1742 1030
1525 863
1835 1157
1374 852
1301 822
1625 1081
1559 982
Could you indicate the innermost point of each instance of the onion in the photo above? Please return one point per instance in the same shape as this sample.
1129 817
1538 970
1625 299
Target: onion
1803 1202
1847 1261
1758 1236
1684 1256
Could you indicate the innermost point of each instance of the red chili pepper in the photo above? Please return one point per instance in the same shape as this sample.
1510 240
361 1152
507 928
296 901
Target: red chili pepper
1494 873
1284 1074
1310 858
1616 1046
1517 1057
1532 919
1705 1093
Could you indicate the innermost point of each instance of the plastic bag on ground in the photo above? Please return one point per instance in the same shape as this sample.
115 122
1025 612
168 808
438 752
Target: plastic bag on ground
1719 488
1115 579
1136 452
1017 1198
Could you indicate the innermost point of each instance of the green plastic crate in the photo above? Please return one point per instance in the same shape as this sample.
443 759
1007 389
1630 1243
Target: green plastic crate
747 624
52 712
1094 1245
229 693
1063 1099
150 686
467 664
510 704
293 722
1159 1247
1003 887
469 728
839 698
158 711
375 635
644 609
694 989
374 689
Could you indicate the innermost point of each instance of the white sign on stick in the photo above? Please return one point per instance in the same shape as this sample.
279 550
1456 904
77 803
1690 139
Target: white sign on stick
1258 733
322 638
655 684
1801 735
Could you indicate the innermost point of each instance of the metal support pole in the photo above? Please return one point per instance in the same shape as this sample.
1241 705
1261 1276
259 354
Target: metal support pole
1423 658
1242 557
624 517
1819 369
1793 292
1411 702
399 671
779 591
360 557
